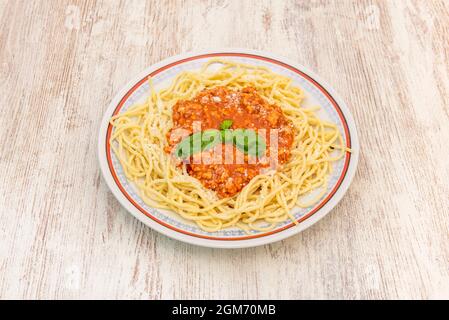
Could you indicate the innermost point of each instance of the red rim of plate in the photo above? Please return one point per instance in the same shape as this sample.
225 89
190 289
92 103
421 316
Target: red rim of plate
246 55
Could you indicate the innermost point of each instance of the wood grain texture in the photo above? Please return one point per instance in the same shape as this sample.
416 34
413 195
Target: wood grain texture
63 234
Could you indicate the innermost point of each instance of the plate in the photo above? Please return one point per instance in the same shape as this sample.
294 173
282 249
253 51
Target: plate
169 223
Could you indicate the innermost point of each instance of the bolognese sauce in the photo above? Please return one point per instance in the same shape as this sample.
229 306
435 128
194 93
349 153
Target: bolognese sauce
247 110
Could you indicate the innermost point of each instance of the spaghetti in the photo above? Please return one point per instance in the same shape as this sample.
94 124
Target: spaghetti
139 139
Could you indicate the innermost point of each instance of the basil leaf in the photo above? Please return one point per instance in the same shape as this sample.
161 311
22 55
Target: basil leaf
209 139
226 124
197 142
248 141
227 136
257 149
189 145
244 138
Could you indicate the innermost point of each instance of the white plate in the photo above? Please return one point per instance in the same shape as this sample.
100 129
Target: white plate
169 223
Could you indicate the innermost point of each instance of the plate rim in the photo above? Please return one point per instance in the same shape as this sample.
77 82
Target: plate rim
228 243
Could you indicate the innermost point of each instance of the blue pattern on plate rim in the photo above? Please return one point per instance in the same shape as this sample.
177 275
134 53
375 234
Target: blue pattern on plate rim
166 75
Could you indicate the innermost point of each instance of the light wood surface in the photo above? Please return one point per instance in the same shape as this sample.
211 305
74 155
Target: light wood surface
63 234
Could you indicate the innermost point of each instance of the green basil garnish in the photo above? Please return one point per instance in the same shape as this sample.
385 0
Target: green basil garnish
226 124
247 140
197 142
227 136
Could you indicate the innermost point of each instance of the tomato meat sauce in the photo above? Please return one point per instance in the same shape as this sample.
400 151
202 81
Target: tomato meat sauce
247 110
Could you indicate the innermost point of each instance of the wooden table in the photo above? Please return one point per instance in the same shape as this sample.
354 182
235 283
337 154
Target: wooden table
63 234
